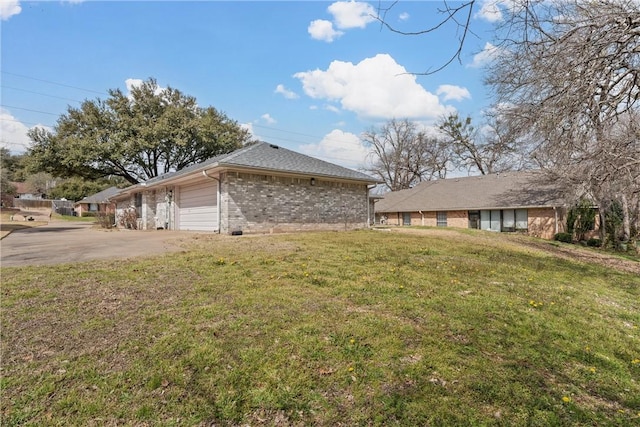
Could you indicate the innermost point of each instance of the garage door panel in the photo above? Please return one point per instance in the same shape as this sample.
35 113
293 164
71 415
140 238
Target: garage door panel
198 208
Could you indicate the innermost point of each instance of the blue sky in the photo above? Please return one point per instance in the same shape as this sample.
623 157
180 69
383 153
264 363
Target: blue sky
309 76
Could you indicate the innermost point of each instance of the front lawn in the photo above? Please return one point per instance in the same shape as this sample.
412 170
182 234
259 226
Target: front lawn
9 224
351 328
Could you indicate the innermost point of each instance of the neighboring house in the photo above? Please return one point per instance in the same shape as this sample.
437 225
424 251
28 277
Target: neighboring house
23 192
96 203
258 188
511 201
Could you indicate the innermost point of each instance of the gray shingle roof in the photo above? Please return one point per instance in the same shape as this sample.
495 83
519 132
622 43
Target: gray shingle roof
101 197
497 191
270 158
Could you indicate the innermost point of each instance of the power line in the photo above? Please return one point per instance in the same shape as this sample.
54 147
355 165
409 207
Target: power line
26 123
39 93
11 143
53 83
286 131
103 93
28 109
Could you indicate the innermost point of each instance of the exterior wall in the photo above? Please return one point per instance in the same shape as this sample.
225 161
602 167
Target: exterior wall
81 209
542 222
266 203
149 207
428 219
163 218
122 206
458 219
387 218
156 213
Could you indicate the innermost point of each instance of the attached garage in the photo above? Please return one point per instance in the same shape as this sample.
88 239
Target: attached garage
198 206
260 187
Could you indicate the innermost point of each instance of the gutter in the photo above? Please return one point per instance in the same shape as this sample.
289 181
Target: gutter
204 172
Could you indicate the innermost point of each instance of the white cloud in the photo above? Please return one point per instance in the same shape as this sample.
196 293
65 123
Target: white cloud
452 92
490 11
332 108
376 87
268 119
8 8
286 92
352 14
404 16
346 15
487 54
248 127
323 30
134 83
343 148
13 133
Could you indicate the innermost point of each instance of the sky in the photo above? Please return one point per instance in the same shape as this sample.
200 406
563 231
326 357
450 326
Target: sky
310 76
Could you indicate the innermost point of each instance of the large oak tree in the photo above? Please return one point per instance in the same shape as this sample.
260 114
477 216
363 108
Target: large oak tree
138 136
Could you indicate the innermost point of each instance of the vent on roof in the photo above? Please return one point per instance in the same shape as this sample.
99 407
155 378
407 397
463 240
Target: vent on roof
273 146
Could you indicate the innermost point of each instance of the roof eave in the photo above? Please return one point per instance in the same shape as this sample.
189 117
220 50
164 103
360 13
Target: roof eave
483 208
242 168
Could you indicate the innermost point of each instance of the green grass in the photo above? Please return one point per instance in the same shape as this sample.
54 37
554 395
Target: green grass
353 328
72 218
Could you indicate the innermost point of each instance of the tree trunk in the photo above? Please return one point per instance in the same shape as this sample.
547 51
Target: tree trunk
637 221
626 221
602 212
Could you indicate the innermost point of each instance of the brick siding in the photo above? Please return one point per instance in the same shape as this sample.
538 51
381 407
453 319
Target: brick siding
267 203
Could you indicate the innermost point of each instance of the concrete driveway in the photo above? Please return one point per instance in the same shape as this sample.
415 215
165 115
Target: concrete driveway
63 242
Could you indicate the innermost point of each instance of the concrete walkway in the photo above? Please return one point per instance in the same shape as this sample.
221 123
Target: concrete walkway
63 242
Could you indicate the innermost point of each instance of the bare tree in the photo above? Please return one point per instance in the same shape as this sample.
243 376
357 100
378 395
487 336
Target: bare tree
402 156
569 73
457 14
487 151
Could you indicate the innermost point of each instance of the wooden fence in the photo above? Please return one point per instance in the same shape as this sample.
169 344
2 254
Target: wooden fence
62 207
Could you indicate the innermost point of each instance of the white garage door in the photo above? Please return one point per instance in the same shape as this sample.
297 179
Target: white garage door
198 207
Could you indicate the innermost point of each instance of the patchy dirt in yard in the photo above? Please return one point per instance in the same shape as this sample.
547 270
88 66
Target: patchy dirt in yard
588 256
564 251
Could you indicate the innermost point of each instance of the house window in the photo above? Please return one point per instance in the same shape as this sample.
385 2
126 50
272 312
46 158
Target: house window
441 219
503 220
490 220
509 220
138 204
522 220
406 218
93 207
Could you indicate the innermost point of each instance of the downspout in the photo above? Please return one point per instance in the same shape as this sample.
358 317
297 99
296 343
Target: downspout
555 214
168 199
422 219
369 188
204 172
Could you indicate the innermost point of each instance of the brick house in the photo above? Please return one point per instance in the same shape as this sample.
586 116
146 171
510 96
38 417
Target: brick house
505 202
258 188
96 203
